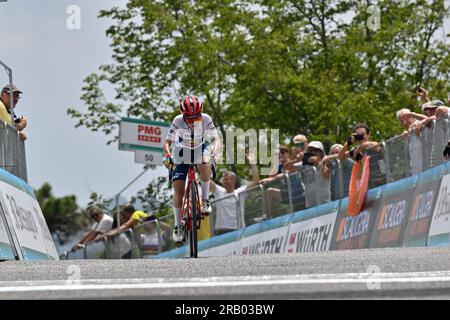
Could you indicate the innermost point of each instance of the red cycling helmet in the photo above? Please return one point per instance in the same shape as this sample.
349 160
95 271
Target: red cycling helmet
191 107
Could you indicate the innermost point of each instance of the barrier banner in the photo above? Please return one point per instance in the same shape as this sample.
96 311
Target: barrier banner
28 223
421 209
6 252
440 224
266 237
354 232
391 218
227 244
312 230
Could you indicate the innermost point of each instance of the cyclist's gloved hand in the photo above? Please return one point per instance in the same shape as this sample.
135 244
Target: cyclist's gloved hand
168 161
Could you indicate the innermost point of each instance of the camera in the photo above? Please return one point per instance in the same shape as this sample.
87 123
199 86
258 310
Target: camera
359 137
447 150
306 158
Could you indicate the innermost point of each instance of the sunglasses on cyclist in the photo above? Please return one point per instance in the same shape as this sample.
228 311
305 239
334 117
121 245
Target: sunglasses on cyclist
192 118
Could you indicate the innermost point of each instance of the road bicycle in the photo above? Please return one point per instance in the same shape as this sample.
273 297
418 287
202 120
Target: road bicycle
191 212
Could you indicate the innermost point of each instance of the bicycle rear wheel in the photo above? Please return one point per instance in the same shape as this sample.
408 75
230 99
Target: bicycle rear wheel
194 222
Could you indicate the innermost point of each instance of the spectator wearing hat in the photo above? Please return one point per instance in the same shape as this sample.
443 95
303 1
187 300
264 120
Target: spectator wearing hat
5 109
433 107
430 108
317 188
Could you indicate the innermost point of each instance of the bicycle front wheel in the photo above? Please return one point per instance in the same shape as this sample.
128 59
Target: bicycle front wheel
193 232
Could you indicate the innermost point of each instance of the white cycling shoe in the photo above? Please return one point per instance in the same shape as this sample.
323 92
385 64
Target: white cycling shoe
178 233
206 207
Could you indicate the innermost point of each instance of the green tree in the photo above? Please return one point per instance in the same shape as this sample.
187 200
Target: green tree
62 214
303 66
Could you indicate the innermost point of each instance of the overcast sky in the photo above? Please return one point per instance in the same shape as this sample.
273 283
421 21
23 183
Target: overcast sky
49 63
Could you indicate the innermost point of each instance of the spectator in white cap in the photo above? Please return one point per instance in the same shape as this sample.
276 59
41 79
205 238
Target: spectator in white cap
317 190
5 109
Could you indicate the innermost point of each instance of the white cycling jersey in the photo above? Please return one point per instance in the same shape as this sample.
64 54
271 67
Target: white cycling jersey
181 134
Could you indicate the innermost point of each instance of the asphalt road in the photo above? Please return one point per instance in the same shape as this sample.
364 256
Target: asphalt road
417 273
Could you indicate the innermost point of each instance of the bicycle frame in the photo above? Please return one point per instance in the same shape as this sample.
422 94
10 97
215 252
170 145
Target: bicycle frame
191 215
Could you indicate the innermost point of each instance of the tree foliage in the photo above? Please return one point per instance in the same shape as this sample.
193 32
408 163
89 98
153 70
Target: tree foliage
302 66
62 214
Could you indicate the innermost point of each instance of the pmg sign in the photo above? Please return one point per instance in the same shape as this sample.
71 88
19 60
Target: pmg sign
137 134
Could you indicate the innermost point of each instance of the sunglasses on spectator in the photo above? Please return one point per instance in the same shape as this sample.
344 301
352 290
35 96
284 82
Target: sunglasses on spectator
299 144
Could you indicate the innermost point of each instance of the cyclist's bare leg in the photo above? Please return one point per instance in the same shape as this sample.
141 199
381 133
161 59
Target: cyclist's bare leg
178 192
205 173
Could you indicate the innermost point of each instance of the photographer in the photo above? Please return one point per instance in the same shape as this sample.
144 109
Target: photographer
361 141
20 123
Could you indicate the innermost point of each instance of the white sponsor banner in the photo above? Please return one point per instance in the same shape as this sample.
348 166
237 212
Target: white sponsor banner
3 235
440 223
28 222
228 249
313 235
148 157
271 241
137 134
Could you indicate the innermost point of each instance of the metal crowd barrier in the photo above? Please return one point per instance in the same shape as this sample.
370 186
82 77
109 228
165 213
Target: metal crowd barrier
144 241
393 160
13 157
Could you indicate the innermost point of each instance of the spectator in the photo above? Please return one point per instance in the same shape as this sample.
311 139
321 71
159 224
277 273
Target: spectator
5 112
338 190
226 214
103 224
276 195
361 137
431 109
412 121
300 145
317 181
131 218
150 240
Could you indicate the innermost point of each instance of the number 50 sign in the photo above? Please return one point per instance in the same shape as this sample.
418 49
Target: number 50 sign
148 157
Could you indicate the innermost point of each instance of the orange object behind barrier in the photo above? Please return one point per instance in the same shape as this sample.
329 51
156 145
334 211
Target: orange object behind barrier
359 183
205 229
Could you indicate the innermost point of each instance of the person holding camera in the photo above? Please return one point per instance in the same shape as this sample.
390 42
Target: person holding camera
5 109
357 143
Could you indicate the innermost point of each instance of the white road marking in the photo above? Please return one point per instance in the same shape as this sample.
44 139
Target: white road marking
213 282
